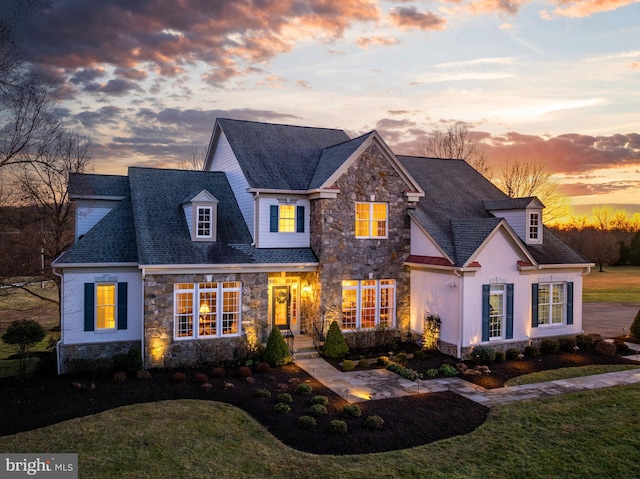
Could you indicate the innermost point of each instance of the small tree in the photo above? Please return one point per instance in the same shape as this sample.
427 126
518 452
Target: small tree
335 346
277 353
24 334
634 331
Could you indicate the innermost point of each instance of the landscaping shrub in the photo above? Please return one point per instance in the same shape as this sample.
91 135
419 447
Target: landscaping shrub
621 346
448 370
306 421
263 393
363 364
201 378
584 342
401 358
318 410
432 373
144 374
263 368
218 372
338 427
348 365
281 408
335 345
606 348
419 355
513 354
549 346
567 343
304 388
134 360
119 362
178 377
119 376
500 356
244 371
284 397
383 361
634 330
404 372
320 399
532 351
277 353
351 410
483 354
374 422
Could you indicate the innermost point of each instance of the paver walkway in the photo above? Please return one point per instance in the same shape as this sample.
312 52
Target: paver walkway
358 386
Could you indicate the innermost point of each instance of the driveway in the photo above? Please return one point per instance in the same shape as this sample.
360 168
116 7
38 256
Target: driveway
608 319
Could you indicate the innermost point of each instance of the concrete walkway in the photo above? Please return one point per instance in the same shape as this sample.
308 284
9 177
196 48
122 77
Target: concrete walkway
358 386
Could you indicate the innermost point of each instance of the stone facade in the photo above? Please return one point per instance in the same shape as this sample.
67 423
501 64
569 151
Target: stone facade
342 256
71 356
162 350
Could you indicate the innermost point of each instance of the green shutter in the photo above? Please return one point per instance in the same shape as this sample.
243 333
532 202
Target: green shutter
485 311
509 311
569 303
122 305
89 292
273 219
534 305
299 219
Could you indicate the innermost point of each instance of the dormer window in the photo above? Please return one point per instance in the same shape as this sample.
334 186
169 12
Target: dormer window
534 225
286 218
201 213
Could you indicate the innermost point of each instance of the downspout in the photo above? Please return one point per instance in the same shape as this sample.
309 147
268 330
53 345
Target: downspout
255 218
142 319
457 273
61 316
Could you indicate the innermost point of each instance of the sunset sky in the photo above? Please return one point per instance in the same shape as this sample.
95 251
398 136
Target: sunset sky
556 80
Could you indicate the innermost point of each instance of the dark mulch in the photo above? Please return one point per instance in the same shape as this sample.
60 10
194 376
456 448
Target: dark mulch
408 421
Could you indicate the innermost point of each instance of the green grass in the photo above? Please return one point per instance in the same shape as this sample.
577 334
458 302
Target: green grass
588 434
616 284
565 373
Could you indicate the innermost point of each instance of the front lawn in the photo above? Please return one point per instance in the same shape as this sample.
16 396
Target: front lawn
616 284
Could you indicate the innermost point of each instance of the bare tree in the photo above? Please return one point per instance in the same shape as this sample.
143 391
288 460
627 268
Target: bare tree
194 161
456 144
521 179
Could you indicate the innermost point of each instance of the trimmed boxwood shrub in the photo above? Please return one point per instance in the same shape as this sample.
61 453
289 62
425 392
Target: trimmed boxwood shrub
584 342
284 398
320 399
304 388
351 410
263 368
513 354
263 393
201 378
374 422
419 355
318 410
432 373
448 370
483 354
500 356
606 348
567 343
244 371
549 346
335 345
402 358
277 352
383 361
306 421
281 408
338 426
348 365
134 360
218 372
363 364
532 351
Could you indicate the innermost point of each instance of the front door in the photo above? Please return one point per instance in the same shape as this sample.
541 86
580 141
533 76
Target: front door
281 306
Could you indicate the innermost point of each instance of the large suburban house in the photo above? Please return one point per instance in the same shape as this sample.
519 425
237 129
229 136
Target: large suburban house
295 227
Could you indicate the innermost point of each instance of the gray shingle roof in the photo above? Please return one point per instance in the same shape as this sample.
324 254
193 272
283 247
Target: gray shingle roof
454 211
509 203
332 158
88 185
280 156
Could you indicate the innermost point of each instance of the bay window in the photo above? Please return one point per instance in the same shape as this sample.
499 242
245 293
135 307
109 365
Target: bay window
368 303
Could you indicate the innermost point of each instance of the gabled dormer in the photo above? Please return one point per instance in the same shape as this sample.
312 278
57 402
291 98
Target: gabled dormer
524 215
201 214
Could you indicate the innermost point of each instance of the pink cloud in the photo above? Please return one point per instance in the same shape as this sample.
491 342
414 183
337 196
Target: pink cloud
409 17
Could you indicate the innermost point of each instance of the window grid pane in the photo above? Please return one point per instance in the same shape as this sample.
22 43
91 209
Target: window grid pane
349 308
368 303
208 312
230 311
387 303
496 311
184 314
551 304
204 222
379 220
286 223
106 306
533 226
362 220
368 308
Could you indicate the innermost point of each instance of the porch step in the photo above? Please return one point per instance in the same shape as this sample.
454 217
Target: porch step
306 353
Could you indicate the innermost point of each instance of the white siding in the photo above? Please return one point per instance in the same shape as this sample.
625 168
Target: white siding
225 160
90 212
73 299
517 219
188 216
266 239
421 244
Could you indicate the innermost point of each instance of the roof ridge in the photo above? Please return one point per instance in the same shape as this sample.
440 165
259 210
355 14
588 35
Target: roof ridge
281 124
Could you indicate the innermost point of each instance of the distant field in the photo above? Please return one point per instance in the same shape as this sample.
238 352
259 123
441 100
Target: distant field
615 284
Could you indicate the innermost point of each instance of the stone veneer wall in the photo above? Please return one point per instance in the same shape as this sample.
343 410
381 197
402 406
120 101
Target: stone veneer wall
342 256
162 350
91 352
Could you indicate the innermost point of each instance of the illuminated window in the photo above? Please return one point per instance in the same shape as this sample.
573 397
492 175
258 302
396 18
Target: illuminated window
551 304
496 311
105 305
368 303
204 229
371 220
286 218
216 313
287 221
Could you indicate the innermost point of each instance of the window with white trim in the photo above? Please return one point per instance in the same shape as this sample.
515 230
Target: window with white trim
204 218
368 303
551 304
496 311
287 219
371 220
534 226
217 312
105 306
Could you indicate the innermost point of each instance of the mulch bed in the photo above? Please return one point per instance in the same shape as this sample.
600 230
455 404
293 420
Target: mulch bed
408 421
